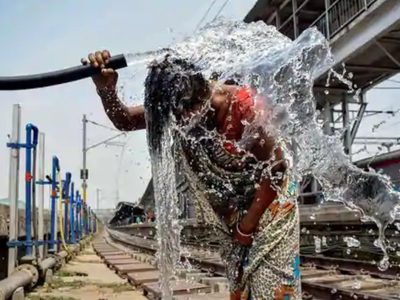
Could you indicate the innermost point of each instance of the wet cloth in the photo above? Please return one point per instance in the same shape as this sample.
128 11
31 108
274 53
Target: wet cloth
219 175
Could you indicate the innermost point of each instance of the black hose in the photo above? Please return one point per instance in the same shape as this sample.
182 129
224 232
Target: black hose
57 77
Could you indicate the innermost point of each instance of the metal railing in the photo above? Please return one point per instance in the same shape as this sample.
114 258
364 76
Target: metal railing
339 14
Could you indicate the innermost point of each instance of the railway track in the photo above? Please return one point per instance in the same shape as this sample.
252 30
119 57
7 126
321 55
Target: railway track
351 240
322 278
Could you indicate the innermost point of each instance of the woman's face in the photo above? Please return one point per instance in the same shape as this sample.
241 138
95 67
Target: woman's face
192 105
190 113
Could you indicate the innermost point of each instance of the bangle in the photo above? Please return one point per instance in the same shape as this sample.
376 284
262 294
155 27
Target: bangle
242 234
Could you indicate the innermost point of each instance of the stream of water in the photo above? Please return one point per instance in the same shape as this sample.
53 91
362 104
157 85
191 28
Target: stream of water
283 72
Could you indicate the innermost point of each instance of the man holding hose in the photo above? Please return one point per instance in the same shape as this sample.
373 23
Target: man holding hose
243 192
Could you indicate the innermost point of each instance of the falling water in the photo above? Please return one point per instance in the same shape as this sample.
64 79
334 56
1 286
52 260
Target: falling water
283 72
167 210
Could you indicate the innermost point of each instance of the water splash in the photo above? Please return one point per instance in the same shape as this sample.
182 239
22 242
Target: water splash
167 211
283 72
351 242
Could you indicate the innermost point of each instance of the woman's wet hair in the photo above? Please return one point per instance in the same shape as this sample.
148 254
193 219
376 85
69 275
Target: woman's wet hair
172 86
231 81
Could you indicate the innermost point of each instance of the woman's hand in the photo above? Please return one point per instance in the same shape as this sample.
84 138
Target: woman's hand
242 238
108 77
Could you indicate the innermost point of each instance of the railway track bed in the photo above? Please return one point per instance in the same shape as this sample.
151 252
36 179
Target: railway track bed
133 258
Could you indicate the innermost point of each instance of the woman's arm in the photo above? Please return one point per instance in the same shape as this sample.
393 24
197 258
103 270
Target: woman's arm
266 193
123 117
262 147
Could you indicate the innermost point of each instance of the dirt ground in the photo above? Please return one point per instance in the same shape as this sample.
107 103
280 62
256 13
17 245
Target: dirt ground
86 277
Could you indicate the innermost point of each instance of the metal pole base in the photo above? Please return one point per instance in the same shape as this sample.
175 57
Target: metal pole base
30 260
18 294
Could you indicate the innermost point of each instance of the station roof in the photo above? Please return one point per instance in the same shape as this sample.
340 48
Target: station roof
369 65
148 197
261 10
6 201
125 210
379 160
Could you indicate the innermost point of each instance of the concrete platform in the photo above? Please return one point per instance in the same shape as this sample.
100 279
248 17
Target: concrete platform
96 282
210 296
102 254
105 249
139 278
124 269
139 267
178 288
120 261
119 256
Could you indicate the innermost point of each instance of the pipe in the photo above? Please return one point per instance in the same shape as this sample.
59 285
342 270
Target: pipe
31 142
13 185
60 210
20 278
34 207
62 254
57 77
27 275
55 169
47 264
41 178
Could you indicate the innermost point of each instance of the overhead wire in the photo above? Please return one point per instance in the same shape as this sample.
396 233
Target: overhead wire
221 9
395 81
205 15
208 11
101 125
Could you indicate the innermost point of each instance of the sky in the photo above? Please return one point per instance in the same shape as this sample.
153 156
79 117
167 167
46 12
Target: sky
40 36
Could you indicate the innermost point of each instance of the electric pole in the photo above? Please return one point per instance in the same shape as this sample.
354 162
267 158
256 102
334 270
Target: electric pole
86 148
98 199
84 171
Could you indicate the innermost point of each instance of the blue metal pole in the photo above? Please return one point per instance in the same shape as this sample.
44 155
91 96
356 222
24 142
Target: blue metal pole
81 217
78 211
65 195
30 144
89 220
94 223
83 212
86 219
53 214
71 214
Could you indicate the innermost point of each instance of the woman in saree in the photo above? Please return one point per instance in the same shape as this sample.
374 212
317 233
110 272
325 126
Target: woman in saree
244 192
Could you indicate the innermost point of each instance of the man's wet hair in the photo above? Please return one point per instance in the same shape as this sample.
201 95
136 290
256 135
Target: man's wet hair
171 86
